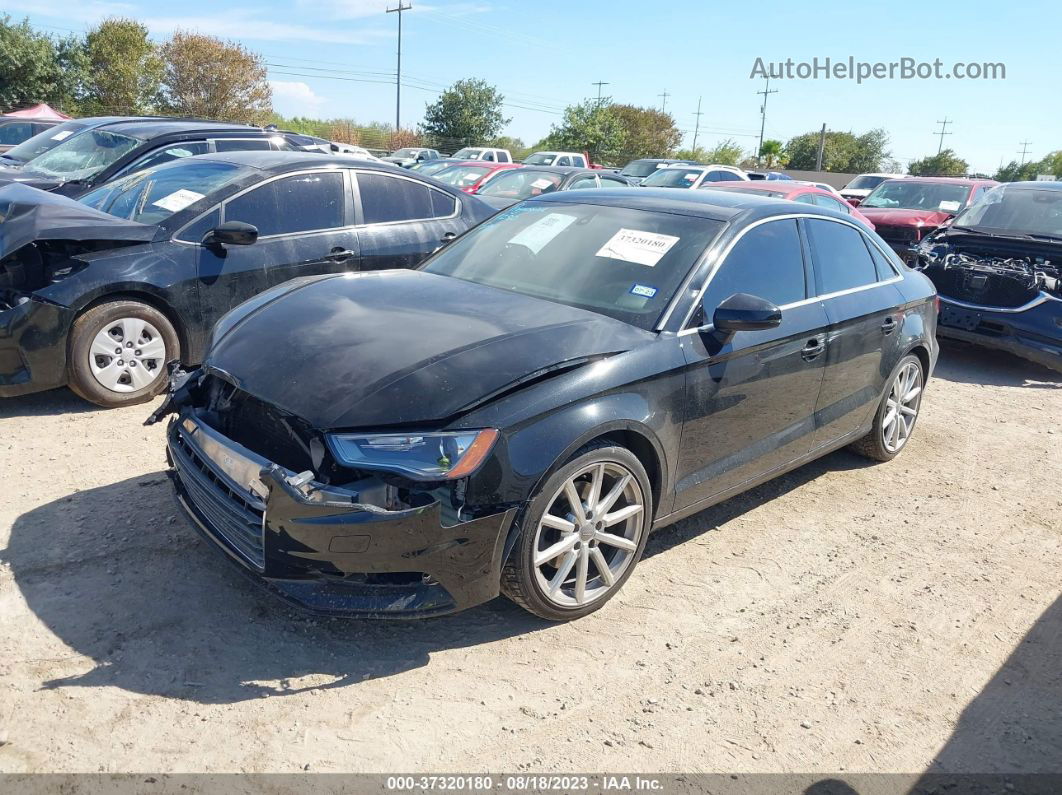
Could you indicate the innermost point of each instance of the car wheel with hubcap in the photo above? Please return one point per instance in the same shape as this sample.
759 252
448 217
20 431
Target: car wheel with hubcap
895 419
118 353
581 535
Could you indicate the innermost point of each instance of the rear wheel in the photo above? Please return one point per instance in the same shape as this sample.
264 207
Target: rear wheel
581 535
896 416
118 353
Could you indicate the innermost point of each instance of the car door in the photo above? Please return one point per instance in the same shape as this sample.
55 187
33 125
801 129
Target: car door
750 397
863 309
401 220
303 230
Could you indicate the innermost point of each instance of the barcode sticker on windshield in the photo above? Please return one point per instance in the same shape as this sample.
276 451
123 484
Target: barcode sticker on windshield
537 235
541 184
63 135
948 207
645 248
178 200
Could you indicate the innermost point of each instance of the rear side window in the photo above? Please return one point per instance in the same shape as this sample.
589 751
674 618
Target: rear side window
613 182
241 144
841 259
722 176
503 158
766 262
881 264
301 203
386 199
583 182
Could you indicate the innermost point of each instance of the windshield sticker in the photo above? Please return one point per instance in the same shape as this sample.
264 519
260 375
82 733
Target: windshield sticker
541 184
643 290
631 245
178 200
62 136
537 235
692 176
949 207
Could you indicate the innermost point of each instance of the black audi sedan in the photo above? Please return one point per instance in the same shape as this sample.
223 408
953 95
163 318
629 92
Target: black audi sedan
101 293
511 186
518 414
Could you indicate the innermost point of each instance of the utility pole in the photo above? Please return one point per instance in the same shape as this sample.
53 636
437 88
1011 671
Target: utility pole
763 115
663 104
1024 150
943 126
822 148
599 83
697 126
398 73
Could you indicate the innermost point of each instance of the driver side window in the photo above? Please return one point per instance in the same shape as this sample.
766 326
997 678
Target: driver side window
766 262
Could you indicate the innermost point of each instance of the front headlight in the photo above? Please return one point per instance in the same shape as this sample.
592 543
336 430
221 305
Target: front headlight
447 455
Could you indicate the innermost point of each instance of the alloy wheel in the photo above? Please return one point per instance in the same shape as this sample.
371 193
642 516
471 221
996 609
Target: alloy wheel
901 407
589 535
127 355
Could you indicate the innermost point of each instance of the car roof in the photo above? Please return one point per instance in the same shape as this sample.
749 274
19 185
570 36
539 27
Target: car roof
774 186
154 126
951 180
269 160
557 169
1034 185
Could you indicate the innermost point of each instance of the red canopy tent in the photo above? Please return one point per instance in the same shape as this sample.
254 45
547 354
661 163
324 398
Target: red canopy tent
41 111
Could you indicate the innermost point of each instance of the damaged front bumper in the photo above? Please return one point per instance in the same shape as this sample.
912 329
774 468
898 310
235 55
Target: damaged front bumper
320 548
33 336
1032 331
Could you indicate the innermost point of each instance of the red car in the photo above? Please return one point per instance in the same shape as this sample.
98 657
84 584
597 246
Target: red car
471 174
796 192
906 210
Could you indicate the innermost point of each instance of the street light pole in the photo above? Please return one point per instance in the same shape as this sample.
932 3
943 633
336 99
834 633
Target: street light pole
398 74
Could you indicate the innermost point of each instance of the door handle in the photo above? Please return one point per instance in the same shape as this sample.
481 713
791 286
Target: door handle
889 325
813 349
339 254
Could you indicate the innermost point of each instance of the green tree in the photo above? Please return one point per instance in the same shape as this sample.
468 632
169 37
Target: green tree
72 60
517 148
647 132
28 69
591 126
469 110
1015 172
214 79
944 164
843 151
726 153
124 68
772 152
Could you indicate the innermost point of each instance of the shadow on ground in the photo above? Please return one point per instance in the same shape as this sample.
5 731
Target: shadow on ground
43 404
970 364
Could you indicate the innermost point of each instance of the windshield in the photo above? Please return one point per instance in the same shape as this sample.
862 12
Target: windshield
433 167
865 182
1016 212
468 154
520 183
623 263
640 168
912 195
406 153
672 178
461 176
42 142
540 159
83 156
153 195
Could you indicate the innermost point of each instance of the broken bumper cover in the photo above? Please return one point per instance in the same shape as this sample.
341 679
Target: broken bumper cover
317 548
1033 331
32 346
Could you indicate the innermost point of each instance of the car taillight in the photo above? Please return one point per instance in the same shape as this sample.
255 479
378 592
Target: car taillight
936 303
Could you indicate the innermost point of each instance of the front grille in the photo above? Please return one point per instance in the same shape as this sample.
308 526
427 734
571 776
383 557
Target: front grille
233 517
263 428
980 287
898 235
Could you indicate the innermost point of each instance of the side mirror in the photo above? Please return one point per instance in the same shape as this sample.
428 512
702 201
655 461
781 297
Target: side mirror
232 233
744 312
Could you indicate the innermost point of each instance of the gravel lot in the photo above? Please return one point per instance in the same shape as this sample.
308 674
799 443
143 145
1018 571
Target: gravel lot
847 617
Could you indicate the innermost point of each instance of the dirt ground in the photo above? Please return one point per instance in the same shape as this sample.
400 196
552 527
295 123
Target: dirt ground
846 617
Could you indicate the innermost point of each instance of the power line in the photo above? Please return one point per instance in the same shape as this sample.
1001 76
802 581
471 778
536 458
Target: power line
663 103
600 83
697 126
398 74
943 126
763 115
1024 150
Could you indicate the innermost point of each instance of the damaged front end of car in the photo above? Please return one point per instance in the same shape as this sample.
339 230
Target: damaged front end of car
998 292
380 524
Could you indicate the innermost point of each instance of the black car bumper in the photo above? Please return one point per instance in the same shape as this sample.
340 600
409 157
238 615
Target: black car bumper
33 337
1033 332
321 550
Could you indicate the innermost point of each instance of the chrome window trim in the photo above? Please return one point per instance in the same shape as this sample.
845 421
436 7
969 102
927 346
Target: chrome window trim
1035 302
726 252
457 200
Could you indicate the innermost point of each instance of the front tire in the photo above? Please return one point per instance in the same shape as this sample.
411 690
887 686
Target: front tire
897 414
118 353
581 535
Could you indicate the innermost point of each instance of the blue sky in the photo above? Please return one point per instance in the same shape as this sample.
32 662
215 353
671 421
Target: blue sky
545 55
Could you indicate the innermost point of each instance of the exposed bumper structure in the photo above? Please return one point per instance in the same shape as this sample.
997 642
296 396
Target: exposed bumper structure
1032 331
318 547
32 345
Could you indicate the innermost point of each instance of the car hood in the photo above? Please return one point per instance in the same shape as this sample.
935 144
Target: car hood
897 217
402 347
28 215
14 175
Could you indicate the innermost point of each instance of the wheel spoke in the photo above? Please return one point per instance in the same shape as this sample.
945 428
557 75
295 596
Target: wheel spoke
910 412
895 434
602 567
605 505
109 375
912 394
557 523
141 376
581 573
153 349
573 500
597 477
103 345
614 540
622 515
562 546
889 418
132 329
562 573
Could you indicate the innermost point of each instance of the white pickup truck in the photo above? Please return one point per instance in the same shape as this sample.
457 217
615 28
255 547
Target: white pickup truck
576 159
483 153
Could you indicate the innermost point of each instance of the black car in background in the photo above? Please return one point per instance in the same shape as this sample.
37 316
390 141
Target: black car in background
101 293
511 186
521 411
637 170
14 130
998 270
78 156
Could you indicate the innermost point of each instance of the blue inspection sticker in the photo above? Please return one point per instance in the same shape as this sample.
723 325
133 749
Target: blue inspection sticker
643 290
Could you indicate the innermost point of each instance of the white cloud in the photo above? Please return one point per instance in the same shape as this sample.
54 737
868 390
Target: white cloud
295 98
241 25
